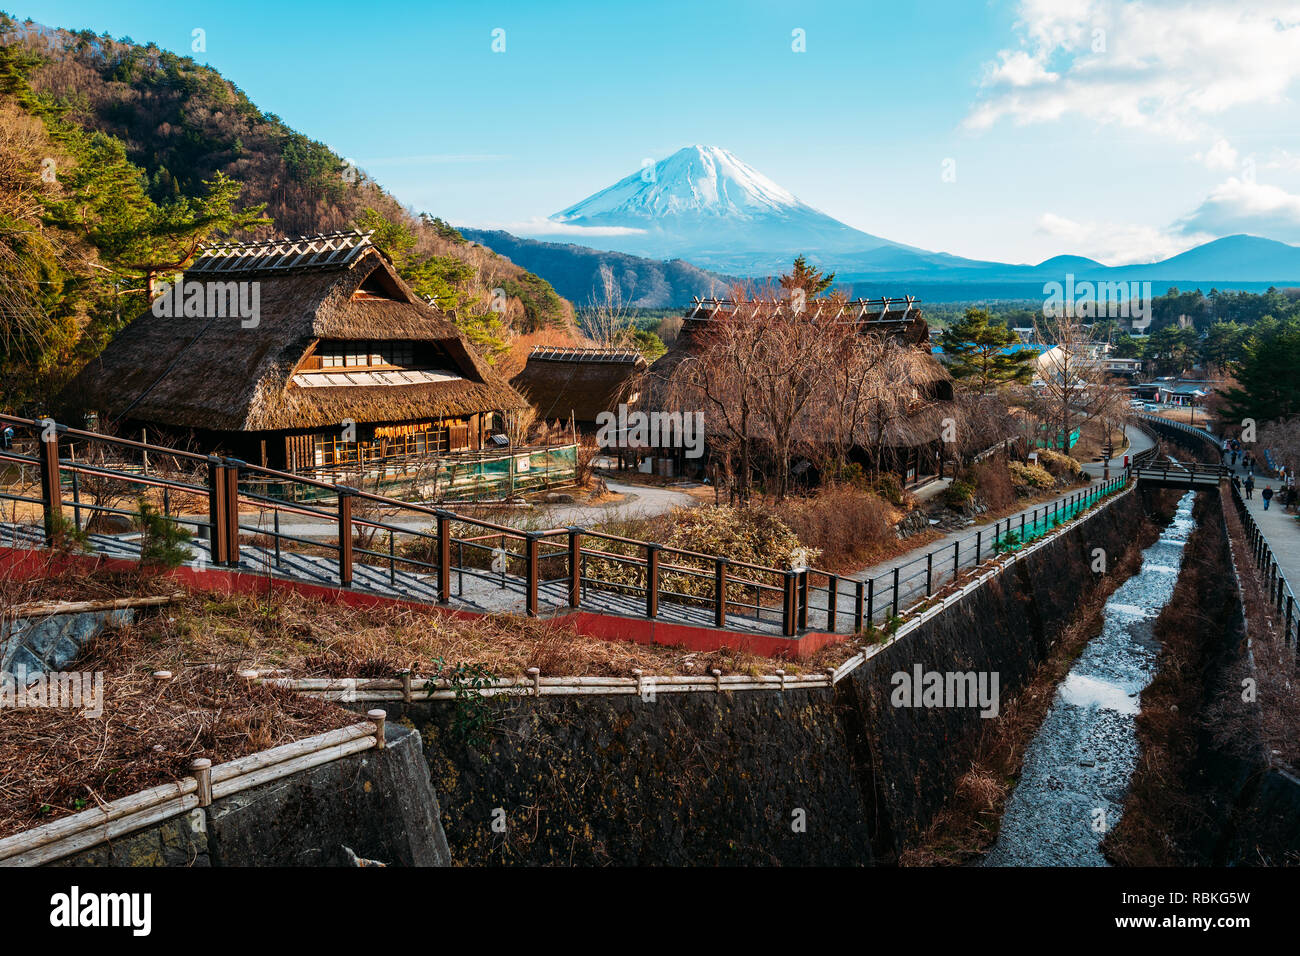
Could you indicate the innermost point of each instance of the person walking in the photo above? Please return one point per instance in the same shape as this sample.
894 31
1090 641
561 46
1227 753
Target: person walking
1236 481
1250 487
1267 495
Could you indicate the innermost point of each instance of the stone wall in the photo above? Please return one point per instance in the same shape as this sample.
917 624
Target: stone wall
51 642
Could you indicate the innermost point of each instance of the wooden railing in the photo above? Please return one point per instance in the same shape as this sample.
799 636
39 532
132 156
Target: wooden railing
559 566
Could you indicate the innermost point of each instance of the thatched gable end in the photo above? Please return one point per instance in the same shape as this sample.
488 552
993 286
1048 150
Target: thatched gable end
219 374
580 381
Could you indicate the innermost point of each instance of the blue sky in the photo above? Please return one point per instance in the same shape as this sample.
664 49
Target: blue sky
1123 131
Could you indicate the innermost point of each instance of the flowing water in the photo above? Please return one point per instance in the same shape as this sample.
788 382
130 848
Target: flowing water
1077 769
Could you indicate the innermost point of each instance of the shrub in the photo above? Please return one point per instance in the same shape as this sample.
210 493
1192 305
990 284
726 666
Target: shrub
162 541
753 535
845 524
959 492
1059 464
889 487
993 483
1029 476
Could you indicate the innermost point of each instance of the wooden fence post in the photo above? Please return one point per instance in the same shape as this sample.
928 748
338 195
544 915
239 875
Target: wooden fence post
788 614
832 601
444 557
652 580
202 770
51 481
232 511
575 567
803 600
720 593
531 547
217 510
378 718
345 536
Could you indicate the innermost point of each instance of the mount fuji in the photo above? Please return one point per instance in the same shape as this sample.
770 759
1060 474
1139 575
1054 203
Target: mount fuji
706 205
687 223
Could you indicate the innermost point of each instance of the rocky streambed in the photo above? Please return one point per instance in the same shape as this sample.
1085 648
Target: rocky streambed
1077 768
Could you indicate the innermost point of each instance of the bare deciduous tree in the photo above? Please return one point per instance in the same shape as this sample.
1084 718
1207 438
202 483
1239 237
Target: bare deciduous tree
1072 387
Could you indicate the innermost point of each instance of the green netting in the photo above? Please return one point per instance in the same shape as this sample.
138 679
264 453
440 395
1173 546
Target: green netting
1016 535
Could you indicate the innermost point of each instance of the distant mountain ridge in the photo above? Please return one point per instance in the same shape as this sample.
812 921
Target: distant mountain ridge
706 206
574 271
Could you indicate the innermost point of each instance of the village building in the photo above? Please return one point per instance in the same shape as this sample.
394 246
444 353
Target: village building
579 384
337 364
912 446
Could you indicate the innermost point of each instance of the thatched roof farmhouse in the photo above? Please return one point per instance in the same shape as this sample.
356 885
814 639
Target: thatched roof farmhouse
268 349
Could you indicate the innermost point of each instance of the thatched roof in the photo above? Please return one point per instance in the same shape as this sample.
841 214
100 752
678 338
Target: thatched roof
899 317
581 381
214 374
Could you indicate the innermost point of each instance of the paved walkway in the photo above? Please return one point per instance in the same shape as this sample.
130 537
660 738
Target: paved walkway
1281 530
942 559
1138 442
640 501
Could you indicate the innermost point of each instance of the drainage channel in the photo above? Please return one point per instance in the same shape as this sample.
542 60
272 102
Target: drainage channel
1077 768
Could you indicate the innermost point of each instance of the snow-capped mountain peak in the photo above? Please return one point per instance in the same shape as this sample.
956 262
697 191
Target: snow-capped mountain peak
694 181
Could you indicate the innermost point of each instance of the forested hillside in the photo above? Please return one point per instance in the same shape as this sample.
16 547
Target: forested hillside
117 161
578 273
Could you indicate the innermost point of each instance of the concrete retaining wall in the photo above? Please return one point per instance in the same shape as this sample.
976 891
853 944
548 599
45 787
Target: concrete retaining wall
377 804
809 777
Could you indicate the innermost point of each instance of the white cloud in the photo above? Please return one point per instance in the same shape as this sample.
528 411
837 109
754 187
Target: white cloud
1115 244
1169 67
1221 155
1242 205
1284 159
1018 68
549 227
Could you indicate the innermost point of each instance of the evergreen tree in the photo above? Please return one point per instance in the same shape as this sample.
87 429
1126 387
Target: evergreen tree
1268 387
806 277
977 352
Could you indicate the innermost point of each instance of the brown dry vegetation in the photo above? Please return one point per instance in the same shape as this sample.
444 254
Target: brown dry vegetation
851 529
54 762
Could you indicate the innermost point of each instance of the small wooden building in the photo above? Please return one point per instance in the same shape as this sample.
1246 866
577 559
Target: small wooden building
341 364
579 382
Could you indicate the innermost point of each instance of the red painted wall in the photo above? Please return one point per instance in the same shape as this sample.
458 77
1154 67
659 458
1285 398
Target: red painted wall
26 564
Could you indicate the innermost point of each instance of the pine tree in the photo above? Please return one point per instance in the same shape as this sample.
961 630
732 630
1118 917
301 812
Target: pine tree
977 351
806 277
1267 386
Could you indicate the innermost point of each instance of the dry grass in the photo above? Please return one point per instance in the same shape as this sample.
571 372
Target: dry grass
302 637
54 762
851 528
